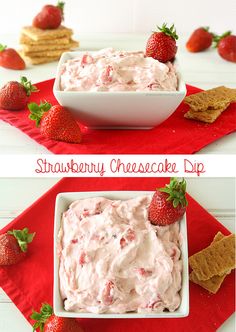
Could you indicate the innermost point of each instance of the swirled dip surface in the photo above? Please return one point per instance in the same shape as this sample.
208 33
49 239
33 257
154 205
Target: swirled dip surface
110 70
112 260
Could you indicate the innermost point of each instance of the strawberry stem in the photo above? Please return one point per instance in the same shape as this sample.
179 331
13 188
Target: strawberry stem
41 317
2 47
23 237
206 29
169 31
217 38
37 111
61 6
28 86
176 190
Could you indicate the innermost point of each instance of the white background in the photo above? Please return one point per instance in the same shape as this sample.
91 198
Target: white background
117 166
125 15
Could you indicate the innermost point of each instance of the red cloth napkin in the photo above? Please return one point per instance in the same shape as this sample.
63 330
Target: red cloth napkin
176 135
30 282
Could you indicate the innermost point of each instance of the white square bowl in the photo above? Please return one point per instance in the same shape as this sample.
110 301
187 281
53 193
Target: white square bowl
120 109
63 201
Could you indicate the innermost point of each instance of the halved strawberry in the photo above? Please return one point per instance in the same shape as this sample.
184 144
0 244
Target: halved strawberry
108 293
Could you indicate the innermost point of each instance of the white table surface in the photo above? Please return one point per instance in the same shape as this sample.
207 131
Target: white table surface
216 195
205 70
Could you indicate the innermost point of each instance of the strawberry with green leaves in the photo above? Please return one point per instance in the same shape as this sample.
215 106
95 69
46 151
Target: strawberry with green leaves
14 96
161 45
10 59
46 321
55 122
50 17
168 204
14 245
226 46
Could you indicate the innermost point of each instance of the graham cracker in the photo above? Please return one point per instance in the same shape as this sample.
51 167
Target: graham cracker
213 284
50 53
28 49
39 34
219 236
39 60
208 116
216 259
25 40
214 99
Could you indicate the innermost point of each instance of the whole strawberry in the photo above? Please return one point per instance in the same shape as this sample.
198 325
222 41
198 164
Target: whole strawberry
46 321
161 45
226 46
14 95
55 122
10 59
50 17
168 204
200 40
13 246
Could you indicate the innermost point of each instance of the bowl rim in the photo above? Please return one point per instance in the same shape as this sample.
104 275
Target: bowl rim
68 55
69 197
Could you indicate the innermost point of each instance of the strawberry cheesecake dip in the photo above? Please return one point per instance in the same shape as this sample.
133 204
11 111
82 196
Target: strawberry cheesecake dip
113 260
110 70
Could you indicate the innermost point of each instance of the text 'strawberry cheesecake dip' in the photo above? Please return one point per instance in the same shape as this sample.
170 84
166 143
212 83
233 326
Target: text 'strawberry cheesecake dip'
110 70
113 260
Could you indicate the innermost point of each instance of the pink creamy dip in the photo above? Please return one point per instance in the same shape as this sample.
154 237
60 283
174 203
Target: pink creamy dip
112 260
110 70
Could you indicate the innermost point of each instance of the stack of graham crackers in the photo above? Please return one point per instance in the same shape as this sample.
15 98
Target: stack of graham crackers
208 105
212 264
43 46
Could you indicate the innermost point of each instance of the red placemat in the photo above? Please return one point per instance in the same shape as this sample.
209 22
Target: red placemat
30 282
176 135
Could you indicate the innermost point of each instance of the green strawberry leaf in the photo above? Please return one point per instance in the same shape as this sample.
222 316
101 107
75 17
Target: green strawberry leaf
30 237
168 31
41 317
37 111
61 6
175 202
23 237
28 86
35 315
176 191
36 326
217 38
206 29
2 47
